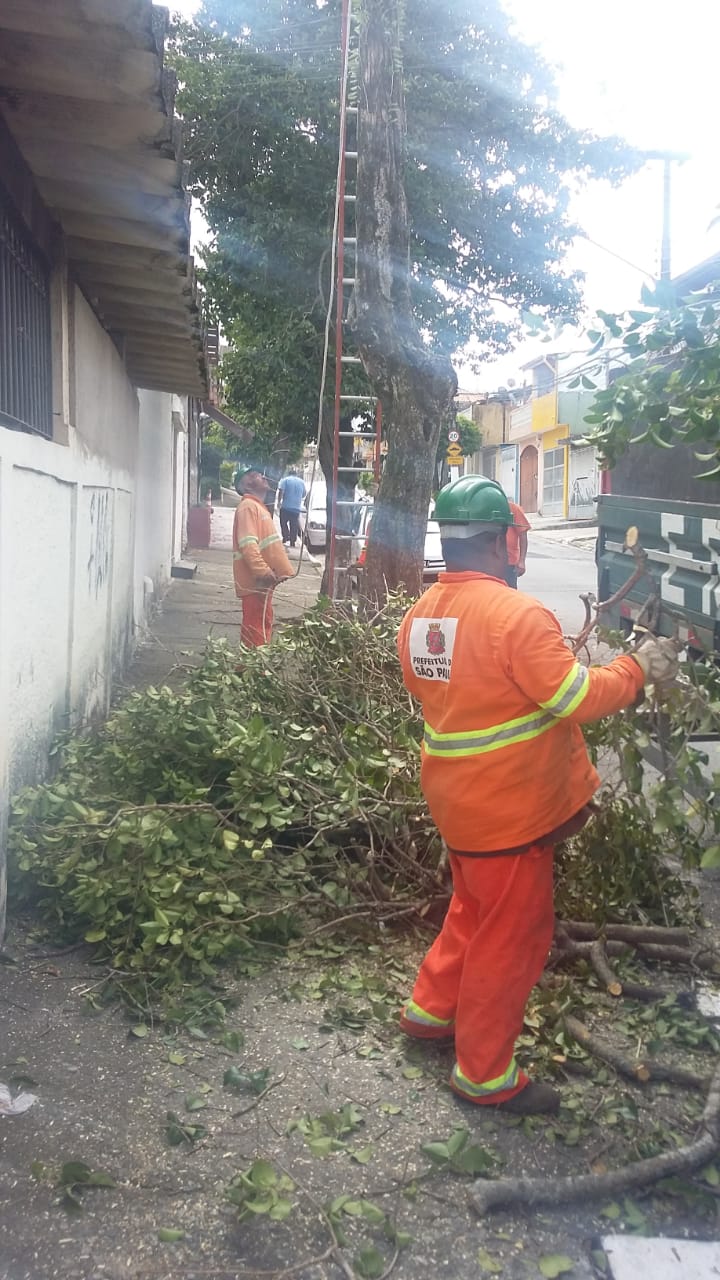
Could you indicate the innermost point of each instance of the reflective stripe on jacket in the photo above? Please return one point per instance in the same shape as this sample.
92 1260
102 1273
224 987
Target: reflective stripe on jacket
257 546
504 761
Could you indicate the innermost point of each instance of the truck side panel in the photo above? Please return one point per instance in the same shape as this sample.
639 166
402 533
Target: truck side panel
682 540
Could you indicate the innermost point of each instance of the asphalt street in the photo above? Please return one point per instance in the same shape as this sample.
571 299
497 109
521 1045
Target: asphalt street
556 574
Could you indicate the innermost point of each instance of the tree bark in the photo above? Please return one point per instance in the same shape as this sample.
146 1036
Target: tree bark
415 386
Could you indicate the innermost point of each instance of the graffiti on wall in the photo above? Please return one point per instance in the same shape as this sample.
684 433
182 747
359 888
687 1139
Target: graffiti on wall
582 496
100 536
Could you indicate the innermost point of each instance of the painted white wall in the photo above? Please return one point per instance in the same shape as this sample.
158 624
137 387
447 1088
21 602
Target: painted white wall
508 476
85 520
583 482
181 427
155 501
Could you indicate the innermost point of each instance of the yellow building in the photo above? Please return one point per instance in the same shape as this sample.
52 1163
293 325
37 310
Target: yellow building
542 459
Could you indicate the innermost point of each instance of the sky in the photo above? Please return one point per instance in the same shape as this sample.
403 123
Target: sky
646 70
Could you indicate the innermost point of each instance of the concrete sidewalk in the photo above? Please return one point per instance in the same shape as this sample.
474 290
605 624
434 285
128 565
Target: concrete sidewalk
206 607
573 533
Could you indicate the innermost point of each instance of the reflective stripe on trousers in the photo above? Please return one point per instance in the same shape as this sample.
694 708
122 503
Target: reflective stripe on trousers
485 961
414 1013
508 1080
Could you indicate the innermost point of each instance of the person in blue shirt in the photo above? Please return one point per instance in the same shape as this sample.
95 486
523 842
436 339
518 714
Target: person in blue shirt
291 495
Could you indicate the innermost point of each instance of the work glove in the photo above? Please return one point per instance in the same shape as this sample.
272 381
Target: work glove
265 581
658 658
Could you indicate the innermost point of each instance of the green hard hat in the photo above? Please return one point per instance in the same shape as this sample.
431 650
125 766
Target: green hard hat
241 471
472 500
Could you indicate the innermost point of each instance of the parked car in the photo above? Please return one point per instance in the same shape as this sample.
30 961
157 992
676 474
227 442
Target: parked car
315 521
433 557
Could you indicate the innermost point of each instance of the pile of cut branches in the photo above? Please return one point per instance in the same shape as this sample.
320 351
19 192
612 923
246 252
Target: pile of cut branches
259 801
279 797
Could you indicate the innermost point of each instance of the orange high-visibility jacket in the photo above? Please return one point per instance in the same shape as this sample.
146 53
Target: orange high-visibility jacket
257 546
503 759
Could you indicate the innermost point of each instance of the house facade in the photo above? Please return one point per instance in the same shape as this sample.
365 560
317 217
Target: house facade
102 364
491 415
556 471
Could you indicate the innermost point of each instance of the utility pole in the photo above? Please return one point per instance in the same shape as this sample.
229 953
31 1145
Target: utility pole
667 213
668 158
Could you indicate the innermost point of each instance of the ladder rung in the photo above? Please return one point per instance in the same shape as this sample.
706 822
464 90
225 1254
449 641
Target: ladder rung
363 398
364 435
350 199
351 360
347 502
348 279
351 155
351 111
350 537
352 468
349 239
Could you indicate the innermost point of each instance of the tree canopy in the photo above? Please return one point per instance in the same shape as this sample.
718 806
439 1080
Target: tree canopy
665 389
490 167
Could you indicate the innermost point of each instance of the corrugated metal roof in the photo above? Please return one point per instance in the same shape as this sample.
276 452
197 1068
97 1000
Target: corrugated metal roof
85 95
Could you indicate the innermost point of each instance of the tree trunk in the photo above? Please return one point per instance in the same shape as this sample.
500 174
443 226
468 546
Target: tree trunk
416 387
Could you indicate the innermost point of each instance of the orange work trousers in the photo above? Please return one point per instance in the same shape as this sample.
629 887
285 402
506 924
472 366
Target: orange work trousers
484 963
257 618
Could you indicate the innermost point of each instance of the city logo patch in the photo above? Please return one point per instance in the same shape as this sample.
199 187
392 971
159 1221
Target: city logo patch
432 641
435 640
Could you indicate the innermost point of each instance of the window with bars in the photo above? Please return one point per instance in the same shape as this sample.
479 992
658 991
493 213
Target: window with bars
25 333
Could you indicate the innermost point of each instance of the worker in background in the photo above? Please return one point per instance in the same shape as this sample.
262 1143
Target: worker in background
516 544
291 493
506 775
259 560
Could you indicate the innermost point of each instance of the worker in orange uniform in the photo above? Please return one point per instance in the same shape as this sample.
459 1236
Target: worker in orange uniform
516 544
259 559
506 775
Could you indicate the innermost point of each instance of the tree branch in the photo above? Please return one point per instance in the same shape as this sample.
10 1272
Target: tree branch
558 1191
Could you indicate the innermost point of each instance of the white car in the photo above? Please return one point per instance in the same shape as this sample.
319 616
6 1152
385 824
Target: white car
315 522
315 519
433 557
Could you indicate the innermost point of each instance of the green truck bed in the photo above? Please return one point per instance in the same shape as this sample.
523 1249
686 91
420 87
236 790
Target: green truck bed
682 540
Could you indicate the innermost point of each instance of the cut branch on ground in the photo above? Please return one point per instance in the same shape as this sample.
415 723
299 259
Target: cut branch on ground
554 1192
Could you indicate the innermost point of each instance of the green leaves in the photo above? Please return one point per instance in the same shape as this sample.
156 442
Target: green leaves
553 1265
711 857
191 845
461 1156
261 1190
247 1081
487 1263
324 1134
670 393
195 1102
179 1133
71 1179
369 1263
